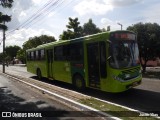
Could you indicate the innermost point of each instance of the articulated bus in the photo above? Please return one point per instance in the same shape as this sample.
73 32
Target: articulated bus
106 61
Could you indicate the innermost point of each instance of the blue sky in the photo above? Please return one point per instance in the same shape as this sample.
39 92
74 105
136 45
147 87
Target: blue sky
102 12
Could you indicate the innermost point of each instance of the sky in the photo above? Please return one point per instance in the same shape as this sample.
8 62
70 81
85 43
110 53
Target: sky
49 17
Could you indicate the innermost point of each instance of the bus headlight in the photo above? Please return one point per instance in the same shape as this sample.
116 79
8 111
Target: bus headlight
127 76
117 78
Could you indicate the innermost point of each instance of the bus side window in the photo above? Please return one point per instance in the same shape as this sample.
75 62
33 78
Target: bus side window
76 52
28 56
103 68
58 53
32 55
42 54
39 54
37 57
66 52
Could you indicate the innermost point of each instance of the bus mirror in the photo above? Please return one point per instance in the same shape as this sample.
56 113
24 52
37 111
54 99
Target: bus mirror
109 41
109 57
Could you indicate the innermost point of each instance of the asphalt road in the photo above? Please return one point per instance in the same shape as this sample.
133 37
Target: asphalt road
22 99
145 97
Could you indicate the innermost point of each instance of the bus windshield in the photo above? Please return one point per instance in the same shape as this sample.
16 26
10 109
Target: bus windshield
124 54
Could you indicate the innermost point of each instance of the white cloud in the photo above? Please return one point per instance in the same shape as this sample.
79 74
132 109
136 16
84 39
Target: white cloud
122 3
22 35
107 22
18 12
38 2
92 7
152 14
97 7
22 14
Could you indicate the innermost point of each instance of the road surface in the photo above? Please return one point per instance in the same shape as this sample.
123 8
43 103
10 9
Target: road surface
23 101
145 97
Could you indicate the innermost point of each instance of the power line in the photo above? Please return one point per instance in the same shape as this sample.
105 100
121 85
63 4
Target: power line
40 14
40 20
52 9
43 15
33 16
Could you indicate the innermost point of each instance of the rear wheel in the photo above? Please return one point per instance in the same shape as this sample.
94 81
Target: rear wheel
79 82
39 74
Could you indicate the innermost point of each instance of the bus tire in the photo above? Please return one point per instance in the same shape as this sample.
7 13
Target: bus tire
78 82
39 74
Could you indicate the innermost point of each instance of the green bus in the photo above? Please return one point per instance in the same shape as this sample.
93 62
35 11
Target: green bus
106 61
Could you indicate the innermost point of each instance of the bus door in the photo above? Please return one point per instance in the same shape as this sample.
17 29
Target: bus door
50 62
93 65
96 53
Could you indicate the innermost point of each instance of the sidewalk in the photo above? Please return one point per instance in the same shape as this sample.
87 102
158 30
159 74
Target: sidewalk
22 65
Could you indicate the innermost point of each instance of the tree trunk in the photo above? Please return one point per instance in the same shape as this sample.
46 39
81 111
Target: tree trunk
144 66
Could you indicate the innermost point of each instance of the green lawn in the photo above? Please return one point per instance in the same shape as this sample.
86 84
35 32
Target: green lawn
113 110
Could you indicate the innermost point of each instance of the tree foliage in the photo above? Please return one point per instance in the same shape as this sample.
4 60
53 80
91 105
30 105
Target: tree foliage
11 51
73 30
1 57
32 43
6 3
148 41
21 55
35 41
90 28
5 18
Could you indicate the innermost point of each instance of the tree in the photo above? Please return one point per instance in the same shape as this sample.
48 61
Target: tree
148 41
3 19
21 55
90 28
32 43
6 3
73 30
35 41
1 57
11 51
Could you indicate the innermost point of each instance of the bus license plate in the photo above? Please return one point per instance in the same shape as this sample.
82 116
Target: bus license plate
134 84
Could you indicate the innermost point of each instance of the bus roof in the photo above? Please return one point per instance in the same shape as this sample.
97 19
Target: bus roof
73 40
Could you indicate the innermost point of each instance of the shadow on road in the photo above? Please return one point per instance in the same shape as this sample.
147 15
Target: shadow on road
11 103
138 99
143 100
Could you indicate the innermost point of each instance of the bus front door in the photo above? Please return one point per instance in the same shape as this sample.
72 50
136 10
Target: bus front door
93 64
50 62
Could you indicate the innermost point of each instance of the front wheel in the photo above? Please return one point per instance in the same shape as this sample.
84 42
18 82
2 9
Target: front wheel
79 82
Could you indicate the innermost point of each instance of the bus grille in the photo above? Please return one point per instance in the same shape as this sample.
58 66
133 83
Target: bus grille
133 73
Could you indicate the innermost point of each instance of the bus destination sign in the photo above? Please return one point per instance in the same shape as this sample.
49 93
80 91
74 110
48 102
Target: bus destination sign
124 36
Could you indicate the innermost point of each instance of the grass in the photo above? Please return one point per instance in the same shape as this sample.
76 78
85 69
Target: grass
113 110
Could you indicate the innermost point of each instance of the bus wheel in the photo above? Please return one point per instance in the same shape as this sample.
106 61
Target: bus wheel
79 82
39 75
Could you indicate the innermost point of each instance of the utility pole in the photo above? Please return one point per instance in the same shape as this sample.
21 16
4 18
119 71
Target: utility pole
4 37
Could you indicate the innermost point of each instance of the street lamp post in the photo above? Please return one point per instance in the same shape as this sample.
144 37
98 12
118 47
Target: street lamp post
120 25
